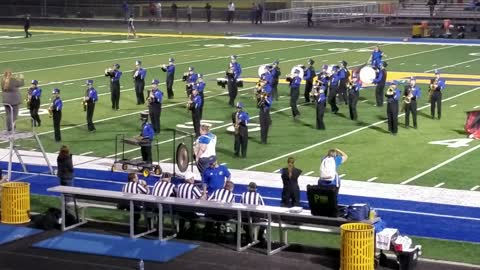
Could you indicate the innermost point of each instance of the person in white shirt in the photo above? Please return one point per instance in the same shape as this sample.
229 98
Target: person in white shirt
231 12
205 147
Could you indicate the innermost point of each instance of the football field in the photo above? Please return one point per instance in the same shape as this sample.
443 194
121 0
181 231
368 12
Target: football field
438 153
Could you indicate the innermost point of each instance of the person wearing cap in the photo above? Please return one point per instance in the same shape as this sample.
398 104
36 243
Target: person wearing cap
252 197
164 187
234 72
264 115
194 104
139 75
376 57
308 76
291 190
146 135
295 93
205 147
56 109
240 120
266 76
91 97
344 77
34 95
189 190
190 79
275 71
131 27
200 86
170 70
393 95
380 81
353 96
437 86
215 175
114 74
321 102
155 100
411 94
324 78
333 91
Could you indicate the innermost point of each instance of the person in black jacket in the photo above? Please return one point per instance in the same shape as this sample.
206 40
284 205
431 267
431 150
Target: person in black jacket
291 191
65 167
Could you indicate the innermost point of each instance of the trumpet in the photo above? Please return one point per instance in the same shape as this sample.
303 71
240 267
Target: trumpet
433 87
407 98
391 91
185 76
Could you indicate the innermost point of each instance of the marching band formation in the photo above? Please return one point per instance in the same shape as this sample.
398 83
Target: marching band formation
332 84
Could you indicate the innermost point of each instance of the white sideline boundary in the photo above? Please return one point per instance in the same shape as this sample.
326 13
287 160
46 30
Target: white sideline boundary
355 188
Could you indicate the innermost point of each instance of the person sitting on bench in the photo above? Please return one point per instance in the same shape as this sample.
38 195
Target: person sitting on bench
134 186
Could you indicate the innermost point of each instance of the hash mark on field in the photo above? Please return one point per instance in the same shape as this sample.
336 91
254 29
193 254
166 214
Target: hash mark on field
253 57
266 58
434 65
244 94
454 105
476 107
277 170
102 86
72 50
68 84
355 62
401 64
439 185
372 179
167 159
467 66
33 149
341 175
223 163
86 153
206 92
474 188
417 64
308 173
363 101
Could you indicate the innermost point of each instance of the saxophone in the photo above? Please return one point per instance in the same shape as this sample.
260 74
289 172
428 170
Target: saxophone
28 98
50 108
84 101
407 98
433 86
237 123
190 105
262 98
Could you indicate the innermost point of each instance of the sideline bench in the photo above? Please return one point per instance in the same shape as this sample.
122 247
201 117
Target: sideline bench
279 217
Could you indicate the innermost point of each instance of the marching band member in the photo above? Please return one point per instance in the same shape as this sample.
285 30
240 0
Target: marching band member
344 76
308 77
321 103
131 27
194 105
392 95
324 78
205 148
412 92
264 104
26 26
376 58
332 92
90 99
234 72
190 78
275 71
114 74
240 120
147 138
56 113
266 75
200 86
353 94
34 95
437 86
155 100
139 77
170 70
294 93
380 80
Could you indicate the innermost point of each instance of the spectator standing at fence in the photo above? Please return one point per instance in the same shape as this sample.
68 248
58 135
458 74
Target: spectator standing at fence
125 10
230 12
189 13
208 11
174 8
158 13
309 17
151 10
11 97
259 15
65 166
253 12
291 190
431 4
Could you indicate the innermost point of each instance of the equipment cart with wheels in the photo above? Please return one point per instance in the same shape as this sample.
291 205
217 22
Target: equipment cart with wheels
131 165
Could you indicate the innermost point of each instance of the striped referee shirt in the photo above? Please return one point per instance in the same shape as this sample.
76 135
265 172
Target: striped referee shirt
188 191
163 189
222 195
134 187
252 198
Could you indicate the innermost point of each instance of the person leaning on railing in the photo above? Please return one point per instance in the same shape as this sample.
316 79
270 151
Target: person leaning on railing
11 95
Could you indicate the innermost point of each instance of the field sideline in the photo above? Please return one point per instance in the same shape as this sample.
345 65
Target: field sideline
66 59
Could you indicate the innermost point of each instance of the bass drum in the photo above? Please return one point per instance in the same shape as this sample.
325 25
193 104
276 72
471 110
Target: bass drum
367 74
182 157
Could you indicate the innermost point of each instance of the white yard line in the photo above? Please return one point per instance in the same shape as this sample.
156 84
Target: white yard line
454 65
167 159
347 134
86 153
475 188
372 179
363 101
440 165
341 175
309 173
476 107
223 163
439 185
454 105
276 171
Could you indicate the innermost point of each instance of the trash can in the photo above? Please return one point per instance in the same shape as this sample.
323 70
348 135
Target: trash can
15 203
358 247
417 31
